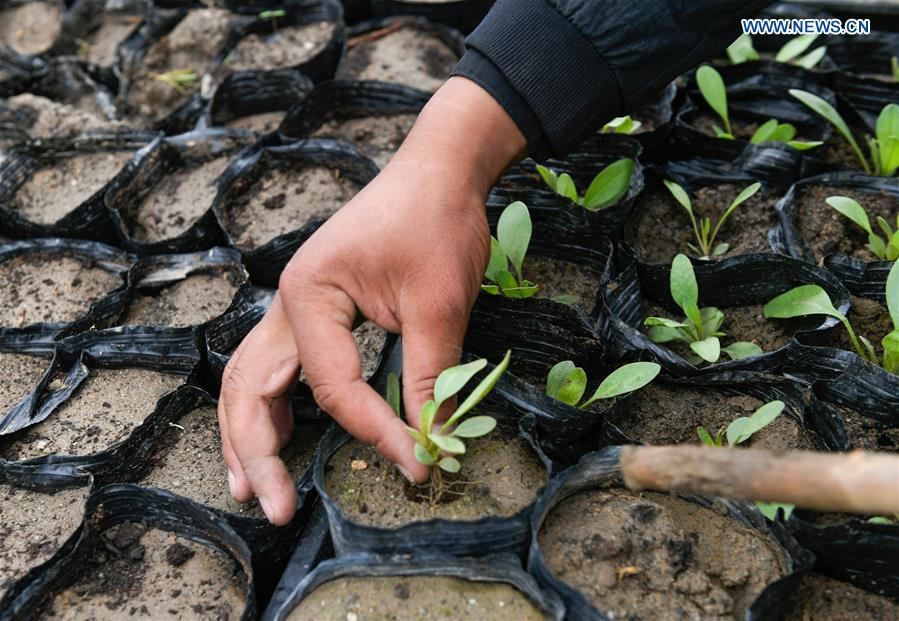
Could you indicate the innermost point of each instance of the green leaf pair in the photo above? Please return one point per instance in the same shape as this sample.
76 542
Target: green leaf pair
742 50
883 146
702 229
700 328
567 382
178 79
621 125
605 190
773 131
884 248
274 14
513 236
743 428
441 446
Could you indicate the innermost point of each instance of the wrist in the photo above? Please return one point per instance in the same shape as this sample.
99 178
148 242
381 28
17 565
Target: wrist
464 132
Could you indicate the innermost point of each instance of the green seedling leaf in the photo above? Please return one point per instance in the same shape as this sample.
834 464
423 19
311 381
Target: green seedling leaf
684 289
769 509
894 65
520 293
880 520
711 85
506 281
622 125
272 14
812 58
609 185
450 464
765 132
680 195
664 322
418 436
490 289
804 145
447 443
892 294
428 413
852 210
498 260
662 334
794 47
720 249
742 50
760 419
566 299
712 318
625 379
452 380
720 133
549 176
887 133
800 302
422 455
394 395
742 349
705 436
709 349
565 187
482 390
573 387
475 427
824 109
513 231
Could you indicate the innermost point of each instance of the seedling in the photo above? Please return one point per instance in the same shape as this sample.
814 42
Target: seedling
702 229
513 236
813 300
894 65
743 428
793 51
700 328
567 382
769 509
621 125
441 445
178 79
605 190
394 394
711 86
884 248
883 147
273 16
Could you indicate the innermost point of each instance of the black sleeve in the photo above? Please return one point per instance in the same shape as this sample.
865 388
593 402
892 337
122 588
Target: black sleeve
562 68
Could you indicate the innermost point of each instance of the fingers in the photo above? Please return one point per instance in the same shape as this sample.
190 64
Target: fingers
321 323
255 416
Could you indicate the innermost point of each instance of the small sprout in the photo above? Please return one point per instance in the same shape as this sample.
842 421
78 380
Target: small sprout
702 229
894 65
883 147
773 131
567 382
699 329
743 428
742 50
621 125
769 509
513 236
890 342
880 519
884 248
178 79
394 394
605 190
273 16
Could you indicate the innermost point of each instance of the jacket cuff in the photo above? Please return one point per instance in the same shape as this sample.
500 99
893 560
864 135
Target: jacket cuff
547 65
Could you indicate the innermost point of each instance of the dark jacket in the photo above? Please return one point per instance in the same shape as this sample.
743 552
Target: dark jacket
562 68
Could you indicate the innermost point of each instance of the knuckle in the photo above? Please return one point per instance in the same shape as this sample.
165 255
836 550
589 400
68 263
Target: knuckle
327 395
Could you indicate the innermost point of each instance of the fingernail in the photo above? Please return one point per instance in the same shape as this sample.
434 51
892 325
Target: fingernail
232 482
406 474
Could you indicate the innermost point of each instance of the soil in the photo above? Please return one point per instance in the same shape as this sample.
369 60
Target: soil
262 123
377 137
285 200
414 597
105 409
868 434
19 374
668 414
102 43
40 288
190 302
58 188
177 202
824 599
43 118
869 318
500 476
837 151
192 45
31 28
662 227
556 277
33 526
189 461
824 230
741 323
137 571
706 124
405 56
654 556
288 47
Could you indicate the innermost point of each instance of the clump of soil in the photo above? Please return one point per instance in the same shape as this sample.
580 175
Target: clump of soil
176 203
58 188
869 318
414 597
556 277
19 374
155 574
189 461
262 123
654 556
741 323
101 44
287 47
403 55
824 230
669 414
33 526
500 476
284 200
43 118
662 228
44 288
377 137
192 45
104 410
31 28
823 598
190 302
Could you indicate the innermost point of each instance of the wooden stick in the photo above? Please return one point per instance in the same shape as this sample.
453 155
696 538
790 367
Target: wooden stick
856 482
